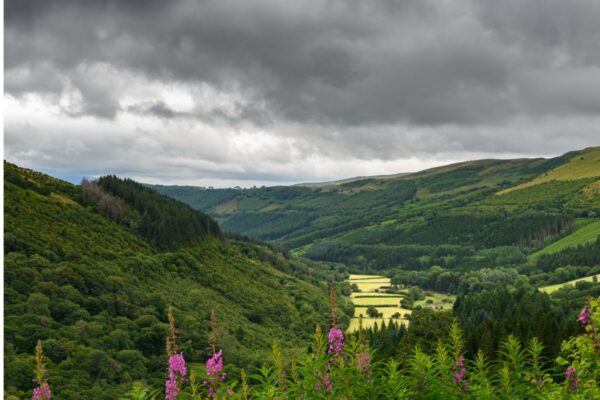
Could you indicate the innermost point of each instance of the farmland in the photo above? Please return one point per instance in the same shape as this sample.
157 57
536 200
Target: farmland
371 293
554 288
386 303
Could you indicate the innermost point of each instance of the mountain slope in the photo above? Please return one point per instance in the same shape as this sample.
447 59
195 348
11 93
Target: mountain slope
582 164
97 291
457 216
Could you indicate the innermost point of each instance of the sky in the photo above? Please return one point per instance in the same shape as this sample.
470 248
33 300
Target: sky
265 92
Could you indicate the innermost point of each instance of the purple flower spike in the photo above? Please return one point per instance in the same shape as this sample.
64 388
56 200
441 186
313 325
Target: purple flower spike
214 371
43 392
214 365
584 316
336 341
177 373
572 378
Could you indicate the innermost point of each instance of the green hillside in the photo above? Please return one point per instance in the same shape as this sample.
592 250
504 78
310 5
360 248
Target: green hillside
451 216
583 164
91 272
584 235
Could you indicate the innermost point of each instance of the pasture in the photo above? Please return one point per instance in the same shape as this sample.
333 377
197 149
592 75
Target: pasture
386 303
554 288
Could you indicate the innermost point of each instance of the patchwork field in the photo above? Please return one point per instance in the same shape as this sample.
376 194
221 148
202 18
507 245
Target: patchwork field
554 288
369 295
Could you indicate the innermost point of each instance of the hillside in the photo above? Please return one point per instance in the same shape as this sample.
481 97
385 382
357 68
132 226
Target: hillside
86 272
459 217
582 164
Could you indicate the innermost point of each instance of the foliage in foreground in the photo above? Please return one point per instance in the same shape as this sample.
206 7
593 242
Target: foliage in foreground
336 369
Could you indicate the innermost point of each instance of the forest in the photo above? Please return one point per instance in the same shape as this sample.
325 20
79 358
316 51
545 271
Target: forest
95 290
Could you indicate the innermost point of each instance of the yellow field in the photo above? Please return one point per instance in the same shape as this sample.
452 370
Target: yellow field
369 283
386 311
354 277
554 288
369 322
373 294
377 301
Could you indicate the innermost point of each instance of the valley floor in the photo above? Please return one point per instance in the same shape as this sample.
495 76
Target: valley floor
372 292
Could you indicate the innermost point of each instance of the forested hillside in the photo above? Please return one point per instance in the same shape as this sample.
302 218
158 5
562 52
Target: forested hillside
457 218
91 271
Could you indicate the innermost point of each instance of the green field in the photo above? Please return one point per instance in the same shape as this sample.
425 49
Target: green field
586 234
436 301
586 164
554 288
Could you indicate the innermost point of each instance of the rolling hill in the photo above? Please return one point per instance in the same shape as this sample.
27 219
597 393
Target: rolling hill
91 270
464 216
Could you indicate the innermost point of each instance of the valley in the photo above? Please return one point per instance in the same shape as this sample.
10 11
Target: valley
91 269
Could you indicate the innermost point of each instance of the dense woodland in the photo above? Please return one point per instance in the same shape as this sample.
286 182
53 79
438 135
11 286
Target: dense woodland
96 291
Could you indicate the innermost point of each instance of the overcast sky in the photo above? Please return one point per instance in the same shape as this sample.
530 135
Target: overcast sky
244 92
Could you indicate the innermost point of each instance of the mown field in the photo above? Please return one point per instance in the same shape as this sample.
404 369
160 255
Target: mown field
371 293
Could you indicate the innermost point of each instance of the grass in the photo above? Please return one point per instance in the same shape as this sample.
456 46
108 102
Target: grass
554 288
439 301
377 301
369 283
583 235
586 164
358 295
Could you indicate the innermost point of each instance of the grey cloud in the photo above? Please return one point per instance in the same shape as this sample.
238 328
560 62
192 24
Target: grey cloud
380 79
338 62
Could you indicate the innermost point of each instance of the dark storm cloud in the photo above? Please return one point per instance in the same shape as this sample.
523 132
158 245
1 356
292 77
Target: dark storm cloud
340 62
371 80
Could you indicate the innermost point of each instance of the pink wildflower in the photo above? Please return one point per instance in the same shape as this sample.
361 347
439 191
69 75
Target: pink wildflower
584 315
327 383
336 341
363 363
43 392
177 373
572 378
177 364
461 373
214 367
